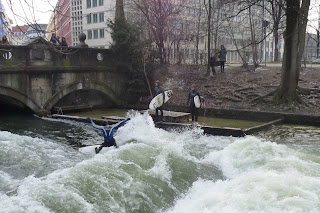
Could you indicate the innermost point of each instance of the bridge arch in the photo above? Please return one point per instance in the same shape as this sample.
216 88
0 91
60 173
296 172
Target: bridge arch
104 88
24 99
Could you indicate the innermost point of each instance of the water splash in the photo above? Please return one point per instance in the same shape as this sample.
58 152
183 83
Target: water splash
159 171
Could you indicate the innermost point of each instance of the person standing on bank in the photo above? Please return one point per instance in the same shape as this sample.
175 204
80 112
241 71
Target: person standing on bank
212 64
158 90
190 103
223 57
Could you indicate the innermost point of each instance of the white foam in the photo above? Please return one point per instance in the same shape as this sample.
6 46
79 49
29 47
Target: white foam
159 171
262 177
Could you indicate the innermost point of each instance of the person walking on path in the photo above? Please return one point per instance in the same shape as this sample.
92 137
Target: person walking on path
190 103
223 57
158 90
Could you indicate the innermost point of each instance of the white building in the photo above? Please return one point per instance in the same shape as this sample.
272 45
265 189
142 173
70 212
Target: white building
19 34
36 30
76 20
95 16
5 23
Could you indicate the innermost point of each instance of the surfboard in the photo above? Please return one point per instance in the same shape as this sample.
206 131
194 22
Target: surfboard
90 150
158 100
197 101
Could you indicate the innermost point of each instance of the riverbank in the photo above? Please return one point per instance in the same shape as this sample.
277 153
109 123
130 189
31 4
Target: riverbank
238 89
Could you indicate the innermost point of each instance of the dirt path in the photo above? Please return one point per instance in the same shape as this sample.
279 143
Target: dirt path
237 88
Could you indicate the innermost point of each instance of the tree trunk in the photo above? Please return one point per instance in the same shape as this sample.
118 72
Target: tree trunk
119 10
318 41
253 40
276 41
198 36
277 8
209 38
294 37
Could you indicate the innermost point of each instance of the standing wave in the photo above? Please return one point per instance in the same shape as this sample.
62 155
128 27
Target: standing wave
261 177
177 171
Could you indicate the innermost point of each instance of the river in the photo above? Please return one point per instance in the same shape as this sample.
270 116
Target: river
41 169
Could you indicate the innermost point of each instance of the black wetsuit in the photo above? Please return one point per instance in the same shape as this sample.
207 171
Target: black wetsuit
190 103
158 90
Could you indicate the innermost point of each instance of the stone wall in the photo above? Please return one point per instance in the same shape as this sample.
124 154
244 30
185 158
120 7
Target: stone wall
39 74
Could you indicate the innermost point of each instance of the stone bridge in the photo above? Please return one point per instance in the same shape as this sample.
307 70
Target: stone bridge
40 76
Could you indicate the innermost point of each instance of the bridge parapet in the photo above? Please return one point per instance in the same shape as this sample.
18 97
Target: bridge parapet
39 74
41 54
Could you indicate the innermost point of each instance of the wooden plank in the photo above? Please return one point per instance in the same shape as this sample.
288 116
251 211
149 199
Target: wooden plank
69 108
221 131
235 132
117 118
83 119
171 116
167 113
258 128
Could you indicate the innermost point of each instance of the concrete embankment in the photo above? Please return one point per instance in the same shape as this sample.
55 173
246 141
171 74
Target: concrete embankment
266 120
221 131
264 116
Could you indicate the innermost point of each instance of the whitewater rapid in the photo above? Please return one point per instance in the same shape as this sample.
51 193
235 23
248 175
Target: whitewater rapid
156 171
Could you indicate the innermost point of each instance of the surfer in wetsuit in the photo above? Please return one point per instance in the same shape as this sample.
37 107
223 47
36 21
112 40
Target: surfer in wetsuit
190 103
108 135
158 90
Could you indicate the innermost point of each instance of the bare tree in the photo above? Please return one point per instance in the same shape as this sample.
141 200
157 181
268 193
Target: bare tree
199 31
158 14
209 11
277 13
240 47
217 24
253 36
294 36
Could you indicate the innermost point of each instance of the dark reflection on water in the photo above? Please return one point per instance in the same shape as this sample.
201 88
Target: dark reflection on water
72 133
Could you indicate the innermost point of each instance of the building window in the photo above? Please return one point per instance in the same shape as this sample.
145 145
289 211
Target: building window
95 18
88 3
101 17
95 34
94 3
101 33
89 19
100 2
89 34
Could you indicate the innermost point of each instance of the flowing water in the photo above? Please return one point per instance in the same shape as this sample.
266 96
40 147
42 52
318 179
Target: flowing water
41 169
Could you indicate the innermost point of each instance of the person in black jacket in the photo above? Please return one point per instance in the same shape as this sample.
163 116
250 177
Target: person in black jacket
64 42
212 64
190 103
158 90
223 57
53 39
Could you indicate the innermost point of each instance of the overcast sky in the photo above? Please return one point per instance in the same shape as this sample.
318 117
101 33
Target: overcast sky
23 12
